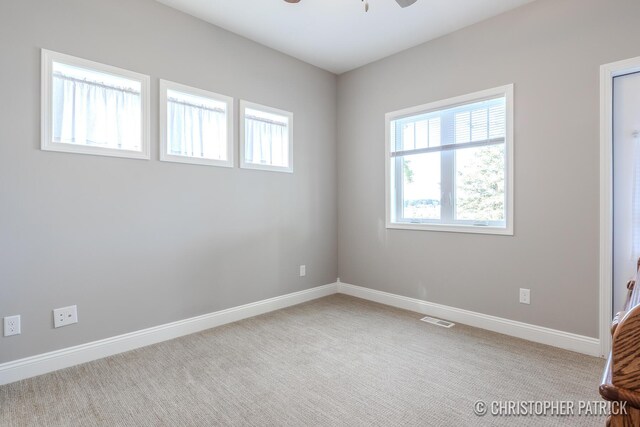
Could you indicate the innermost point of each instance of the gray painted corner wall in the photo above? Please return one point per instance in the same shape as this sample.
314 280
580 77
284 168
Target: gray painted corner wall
551 50
139 243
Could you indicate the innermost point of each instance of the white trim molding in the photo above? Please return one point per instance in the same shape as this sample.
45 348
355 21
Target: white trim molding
607 73
48 59
393 170
165 156
59 359
48 362
244 105
539 334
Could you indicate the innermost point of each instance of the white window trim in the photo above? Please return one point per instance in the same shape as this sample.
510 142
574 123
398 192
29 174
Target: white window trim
243 106
166 85
47 143
507 92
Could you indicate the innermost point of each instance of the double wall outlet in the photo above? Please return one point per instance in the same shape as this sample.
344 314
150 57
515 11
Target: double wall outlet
525 296
12 326
303 270
65 316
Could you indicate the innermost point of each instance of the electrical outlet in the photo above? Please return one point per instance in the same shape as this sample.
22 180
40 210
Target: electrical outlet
525 296
65 316
11 326
303 270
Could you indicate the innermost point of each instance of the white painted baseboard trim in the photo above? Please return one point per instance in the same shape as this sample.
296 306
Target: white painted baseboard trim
539 334
40 364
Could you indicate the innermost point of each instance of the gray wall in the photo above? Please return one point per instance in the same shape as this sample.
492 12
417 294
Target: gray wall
139 243
551 50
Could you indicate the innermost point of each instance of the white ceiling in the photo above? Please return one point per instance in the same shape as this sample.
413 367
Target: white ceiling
338 35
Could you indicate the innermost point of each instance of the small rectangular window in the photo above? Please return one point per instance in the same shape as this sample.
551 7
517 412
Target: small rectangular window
266 138
93 108
196 126
450 164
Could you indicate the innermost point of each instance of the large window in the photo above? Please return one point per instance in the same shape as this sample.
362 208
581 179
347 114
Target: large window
266 138
93 108
195 126
450 164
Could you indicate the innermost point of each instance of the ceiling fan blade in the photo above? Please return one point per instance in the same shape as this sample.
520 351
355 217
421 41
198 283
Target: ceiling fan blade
405 3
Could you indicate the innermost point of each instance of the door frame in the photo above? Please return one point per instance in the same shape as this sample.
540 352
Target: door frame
607 73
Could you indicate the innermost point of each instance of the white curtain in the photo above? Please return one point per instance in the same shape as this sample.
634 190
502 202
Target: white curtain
635 215
266 142
95 114
196 131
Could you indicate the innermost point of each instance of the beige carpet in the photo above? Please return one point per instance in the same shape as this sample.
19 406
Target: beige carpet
335 361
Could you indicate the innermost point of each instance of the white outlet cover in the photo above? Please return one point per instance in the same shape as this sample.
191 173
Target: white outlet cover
525 296
65 316
12 326
303 270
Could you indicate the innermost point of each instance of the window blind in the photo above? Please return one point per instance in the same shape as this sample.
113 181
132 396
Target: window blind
479 124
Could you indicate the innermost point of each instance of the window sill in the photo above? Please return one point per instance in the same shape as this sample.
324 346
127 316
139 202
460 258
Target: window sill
63 147
449 228
258 166
196 160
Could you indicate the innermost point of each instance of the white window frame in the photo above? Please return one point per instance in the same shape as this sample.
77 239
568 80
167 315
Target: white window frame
390 195
47 143
244 165
166 85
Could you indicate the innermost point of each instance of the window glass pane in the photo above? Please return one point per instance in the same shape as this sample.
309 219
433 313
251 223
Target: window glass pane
266 138
480 183
421 185
95 109
422 133
479 124
497 120
479 121
463 127
434 132
408 136
196 126
416 132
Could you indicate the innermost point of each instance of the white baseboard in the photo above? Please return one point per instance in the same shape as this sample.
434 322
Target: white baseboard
539 334
40 364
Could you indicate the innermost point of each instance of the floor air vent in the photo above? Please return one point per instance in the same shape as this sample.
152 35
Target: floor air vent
438 322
